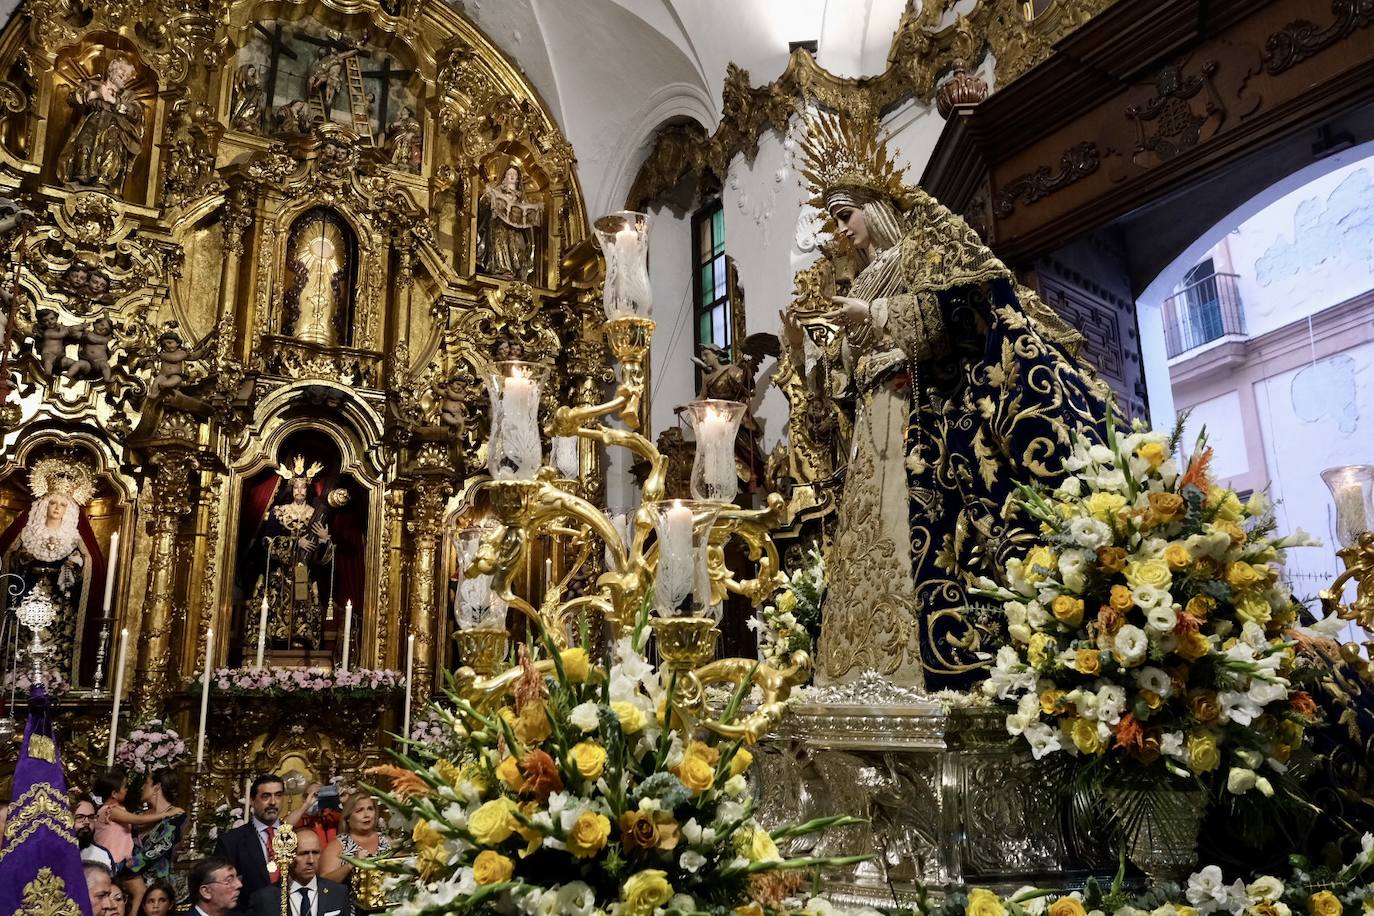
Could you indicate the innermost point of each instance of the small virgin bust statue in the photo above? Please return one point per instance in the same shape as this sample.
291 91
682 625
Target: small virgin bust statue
962 386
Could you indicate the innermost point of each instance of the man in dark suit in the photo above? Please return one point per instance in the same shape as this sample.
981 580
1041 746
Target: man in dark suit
309 894
250 846
214 887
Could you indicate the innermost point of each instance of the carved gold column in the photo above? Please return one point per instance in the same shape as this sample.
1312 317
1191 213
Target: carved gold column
169 502
237 219
426 526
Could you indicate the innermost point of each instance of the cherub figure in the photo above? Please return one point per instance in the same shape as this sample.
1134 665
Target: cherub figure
173 355
452 403
50 338
92 351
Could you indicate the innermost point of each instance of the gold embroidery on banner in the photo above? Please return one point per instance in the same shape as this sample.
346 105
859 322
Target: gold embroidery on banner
41 806
46 895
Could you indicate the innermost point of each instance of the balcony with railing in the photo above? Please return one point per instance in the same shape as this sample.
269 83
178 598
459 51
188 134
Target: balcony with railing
1203 311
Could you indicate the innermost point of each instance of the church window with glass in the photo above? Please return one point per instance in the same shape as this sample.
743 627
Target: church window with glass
710 286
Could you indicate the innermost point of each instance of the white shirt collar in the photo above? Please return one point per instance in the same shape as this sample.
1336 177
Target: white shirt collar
260 826
313 887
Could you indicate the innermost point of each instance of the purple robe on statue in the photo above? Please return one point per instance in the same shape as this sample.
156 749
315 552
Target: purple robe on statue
40 862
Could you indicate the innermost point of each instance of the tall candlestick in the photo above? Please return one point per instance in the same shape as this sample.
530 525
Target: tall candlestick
347 633
262 632
120 661
205 696
247 806
410 674
110 571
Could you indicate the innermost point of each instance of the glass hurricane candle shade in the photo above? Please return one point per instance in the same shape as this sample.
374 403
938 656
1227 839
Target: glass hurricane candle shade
475 606
716 426
682 586
565 457
623 237
1352 491
514 451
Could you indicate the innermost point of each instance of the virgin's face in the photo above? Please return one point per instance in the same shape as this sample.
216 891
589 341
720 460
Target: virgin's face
57 509
511 180
364 816
853 226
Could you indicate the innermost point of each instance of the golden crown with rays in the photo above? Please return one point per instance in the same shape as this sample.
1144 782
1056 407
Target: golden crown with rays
67 476
296 468
846 160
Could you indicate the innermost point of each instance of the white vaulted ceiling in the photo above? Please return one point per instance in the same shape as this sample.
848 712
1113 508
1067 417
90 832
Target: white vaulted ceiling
614 71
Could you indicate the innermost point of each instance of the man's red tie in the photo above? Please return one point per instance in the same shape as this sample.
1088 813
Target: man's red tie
273 873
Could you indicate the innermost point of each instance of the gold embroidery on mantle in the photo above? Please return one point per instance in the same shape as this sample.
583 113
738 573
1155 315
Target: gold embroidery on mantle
46 895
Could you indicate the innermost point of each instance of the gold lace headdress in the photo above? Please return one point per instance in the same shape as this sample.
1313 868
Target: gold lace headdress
62 475
846 161
296 468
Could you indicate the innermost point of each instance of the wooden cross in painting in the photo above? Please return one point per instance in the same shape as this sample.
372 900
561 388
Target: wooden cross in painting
338 51
385 75
276 49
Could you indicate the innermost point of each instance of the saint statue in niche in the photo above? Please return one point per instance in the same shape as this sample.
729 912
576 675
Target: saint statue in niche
53 548
506 224
319 260
109 130
292 558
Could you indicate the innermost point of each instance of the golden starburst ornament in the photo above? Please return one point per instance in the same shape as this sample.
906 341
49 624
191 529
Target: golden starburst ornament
846 160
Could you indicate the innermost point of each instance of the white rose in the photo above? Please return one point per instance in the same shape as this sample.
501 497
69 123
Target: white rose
691 860
1265 888
1240 780
584 716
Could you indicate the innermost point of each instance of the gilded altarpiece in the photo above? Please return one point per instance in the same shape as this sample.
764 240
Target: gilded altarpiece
259 259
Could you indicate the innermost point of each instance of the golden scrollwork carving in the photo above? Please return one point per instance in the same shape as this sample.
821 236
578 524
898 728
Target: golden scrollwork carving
924 50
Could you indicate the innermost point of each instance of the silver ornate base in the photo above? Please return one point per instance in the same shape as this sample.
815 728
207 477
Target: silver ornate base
948 802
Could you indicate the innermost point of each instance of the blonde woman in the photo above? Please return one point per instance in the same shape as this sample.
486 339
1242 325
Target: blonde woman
360 837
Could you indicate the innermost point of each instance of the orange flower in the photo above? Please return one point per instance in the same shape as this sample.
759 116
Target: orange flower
1111 559
1187 623
1304 705
404 783
541 775
1196 474
1203 706
1129 734
1109 619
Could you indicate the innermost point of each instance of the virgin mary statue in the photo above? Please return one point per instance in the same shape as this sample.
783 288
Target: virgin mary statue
964 386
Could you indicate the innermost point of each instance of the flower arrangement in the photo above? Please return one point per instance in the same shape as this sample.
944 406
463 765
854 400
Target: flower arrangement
54 684
224 817
578 798
151 745
322 683
1315 891
786 625
1146 629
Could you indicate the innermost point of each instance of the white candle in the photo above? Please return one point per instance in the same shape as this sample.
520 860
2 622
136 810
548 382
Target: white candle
118 694
262 632
205 696
520 424
247 808
717 448
110 571
410 674
675 556
548 573
347 633
625 241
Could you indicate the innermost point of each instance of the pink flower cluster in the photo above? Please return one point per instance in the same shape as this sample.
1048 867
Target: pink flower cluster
151 745
53 682
269 681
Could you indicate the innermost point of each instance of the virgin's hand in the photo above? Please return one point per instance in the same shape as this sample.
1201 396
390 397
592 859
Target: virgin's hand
792 329
848 311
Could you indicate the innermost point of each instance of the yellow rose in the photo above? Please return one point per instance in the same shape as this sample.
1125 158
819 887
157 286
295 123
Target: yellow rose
588 835
644 892
448 771
1186 911
696 774
509 773
740 762
787 602
1153 454
1051 702
492 823
473 773
1067 610
1227 504
1041 647
1193 645
1088 661
703 750
1149 572
431 862
1121 599
1042 557
1203 755
491 867
630 716
1085 737
1234 531
1201 606
425 836
757 846
983 902
1178 557
1067 906
575 665
1253 607
1164 507
1242 575
1103 506
589 758
1324 903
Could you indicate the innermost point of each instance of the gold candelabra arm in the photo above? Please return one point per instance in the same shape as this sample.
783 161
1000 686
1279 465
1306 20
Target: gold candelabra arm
775 683
1359 568
754 527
